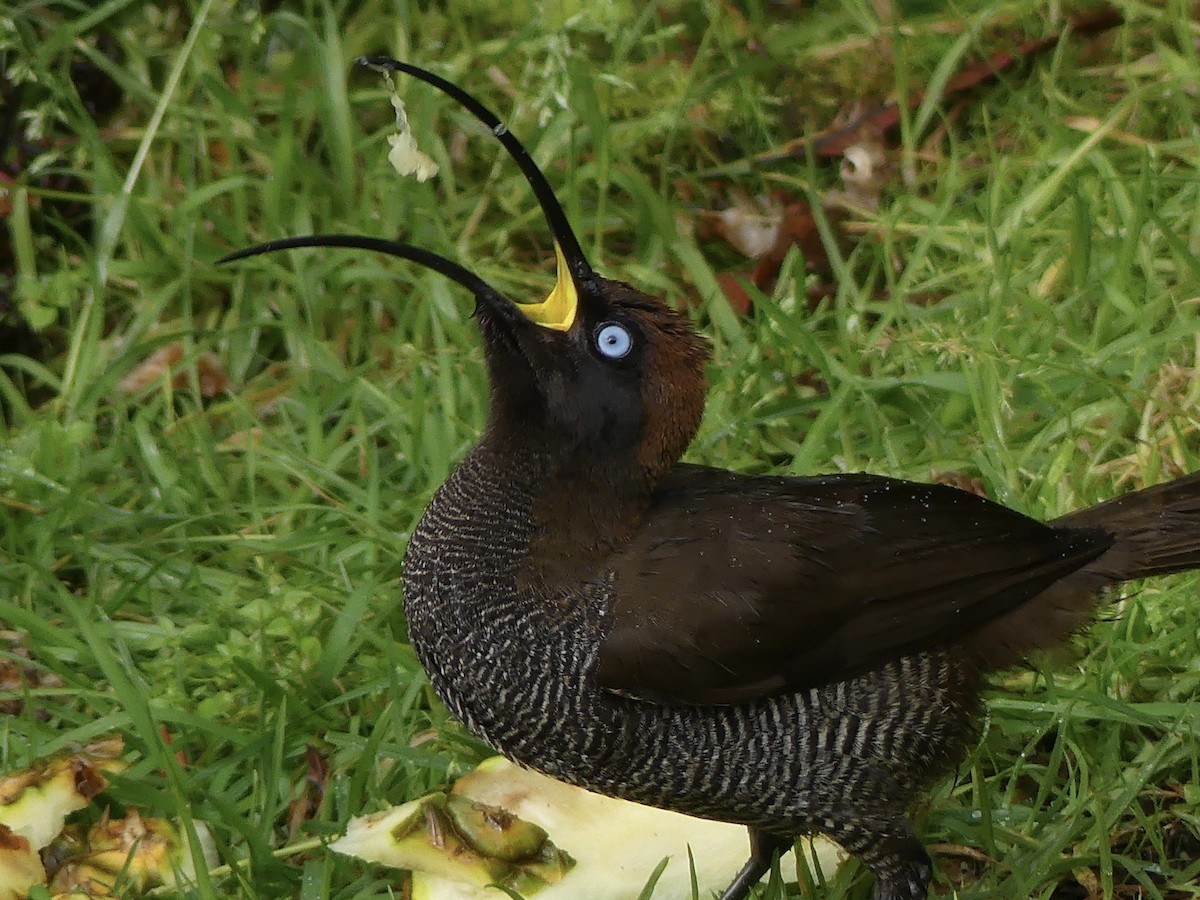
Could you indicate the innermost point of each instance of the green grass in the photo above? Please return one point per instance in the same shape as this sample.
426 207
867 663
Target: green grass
217 578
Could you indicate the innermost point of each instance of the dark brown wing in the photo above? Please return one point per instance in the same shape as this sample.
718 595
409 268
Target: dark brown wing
737 586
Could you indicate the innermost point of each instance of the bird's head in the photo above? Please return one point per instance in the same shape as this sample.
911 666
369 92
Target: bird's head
598 374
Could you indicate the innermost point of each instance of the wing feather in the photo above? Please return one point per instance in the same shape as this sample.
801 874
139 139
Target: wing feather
738 586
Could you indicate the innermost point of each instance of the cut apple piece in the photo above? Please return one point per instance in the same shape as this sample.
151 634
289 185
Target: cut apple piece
459 840
20 865
456 848
35 802
141 853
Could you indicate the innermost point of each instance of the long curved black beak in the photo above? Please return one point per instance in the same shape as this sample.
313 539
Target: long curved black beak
556 218
426 258
558 310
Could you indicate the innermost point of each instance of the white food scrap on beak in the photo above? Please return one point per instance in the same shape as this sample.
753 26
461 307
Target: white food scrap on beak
405 157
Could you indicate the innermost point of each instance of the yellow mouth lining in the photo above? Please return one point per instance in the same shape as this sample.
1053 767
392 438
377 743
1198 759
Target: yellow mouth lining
557 311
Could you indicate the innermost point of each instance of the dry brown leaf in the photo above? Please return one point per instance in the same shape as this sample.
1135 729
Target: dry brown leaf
305 807
18 674
866 169
885 118
733 286
241 440
1050 278
963 482
797 228
749 226
1090 882
1091 124
165 363
765 230
6 194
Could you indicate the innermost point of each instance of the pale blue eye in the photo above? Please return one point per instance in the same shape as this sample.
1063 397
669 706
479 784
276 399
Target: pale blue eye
613 340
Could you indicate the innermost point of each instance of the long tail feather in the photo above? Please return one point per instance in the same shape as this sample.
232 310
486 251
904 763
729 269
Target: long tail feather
1157 530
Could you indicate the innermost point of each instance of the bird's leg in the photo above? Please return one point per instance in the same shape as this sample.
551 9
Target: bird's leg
890 849
903 870
763 847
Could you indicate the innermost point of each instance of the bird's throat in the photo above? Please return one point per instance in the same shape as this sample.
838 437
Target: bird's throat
576 511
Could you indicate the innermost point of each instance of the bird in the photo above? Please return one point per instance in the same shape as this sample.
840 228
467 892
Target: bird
796 654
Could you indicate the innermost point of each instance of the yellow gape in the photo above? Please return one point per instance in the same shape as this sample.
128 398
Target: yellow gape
557 311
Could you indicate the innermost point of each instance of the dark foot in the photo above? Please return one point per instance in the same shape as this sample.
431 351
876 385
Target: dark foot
902 869
890 849
764 847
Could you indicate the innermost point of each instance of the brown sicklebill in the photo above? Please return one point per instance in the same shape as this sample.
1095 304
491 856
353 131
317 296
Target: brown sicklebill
794 654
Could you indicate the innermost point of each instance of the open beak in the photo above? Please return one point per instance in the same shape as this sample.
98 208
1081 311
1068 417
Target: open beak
560 308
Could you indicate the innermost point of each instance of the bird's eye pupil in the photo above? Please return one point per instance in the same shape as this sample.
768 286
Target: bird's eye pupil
613 340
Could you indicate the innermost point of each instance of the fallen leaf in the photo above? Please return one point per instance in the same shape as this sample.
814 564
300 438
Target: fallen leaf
306 806
1049 280
1090 882
882 119
162 364
733 286
18 674
1090 124
963 482
797 228
750 227
866 170
765 230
